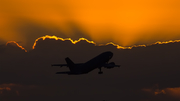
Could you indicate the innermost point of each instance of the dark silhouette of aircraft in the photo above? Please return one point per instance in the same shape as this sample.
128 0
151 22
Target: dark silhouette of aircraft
83 68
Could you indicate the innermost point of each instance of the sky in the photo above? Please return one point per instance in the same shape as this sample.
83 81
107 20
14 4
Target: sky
126 23
137 32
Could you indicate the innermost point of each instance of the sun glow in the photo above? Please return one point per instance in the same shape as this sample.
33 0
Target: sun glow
125 22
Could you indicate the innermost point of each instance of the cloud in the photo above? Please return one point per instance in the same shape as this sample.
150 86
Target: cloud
166 93
5 88
141 68
174 92
11 91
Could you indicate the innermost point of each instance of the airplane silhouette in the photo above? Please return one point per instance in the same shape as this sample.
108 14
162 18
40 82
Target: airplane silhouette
83 68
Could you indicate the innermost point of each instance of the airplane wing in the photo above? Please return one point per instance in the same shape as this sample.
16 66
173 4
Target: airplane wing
61 65
63 72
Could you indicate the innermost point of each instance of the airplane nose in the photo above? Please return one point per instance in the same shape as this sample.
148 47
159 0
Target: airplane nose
110 54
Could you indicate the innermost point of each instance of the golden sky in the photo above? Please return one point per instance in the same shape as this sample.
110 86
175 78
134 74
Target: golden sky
125 22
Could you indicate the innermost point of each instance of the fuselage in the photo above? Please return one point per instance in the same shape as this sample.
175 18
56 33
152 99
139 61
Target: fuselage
94 63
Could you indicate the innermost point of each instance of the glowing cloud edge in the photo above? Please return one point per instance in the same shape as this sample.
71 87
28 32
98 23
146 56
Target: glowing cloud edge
110 43
92 42
17 45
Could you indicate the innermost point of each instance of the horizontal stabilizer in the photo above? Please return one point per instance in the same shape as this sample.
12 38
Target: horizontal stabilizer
63 72
117 65
61 65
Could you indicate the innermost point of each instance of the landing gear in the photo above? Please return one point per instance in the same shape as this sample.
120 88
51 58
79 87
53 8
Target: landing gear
100 72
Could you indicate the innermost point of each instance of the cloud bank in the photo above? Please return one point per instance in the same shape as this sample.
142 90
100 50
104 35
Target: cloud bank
146 73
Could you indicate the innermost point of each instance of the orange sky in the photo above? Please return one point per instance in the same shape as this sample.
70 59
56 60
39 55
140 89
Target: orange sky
125 22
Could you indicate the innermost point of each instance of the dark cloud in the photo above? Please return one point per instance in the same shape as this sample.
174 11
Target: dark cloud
146 74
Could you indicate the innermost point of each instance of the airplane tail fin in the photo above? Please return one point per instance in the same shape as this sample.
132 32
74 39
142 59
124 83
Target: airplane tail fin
70 63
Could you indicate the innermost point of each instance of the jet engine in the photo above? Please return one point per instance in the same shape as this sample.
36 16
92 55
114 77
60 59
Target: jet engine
110 65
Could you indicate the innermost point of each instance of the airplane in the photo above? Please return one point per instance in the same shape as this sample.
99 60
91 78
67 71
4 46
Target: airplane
84 68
